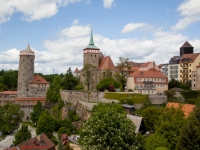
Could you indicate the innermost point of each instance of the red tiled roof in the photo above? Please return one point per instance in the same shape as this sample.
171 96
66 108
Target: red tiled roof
38 80
106 63
77 71
187 108
40 142
151 73
9 92
160 66
192 57
134 68
146 64
30 99
186 44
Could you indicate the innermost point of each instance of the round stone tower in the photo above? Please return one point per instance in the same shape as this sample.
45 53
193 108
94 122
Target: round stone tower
25 72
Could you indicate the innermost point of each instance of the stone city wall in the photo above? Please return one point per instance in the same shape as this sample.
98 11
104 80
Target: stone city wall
158 98
69 96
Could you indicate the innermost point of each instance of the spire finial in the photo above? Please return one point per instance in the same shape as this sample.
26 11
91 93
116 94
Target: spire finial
28 47
91 38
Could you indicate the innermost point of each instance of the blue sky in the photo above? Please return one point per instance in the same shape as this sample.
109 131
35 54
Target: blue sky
59 30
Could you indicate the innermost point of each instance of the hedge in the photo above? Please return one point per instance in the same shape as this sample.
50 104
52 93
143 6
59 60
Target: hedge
130 98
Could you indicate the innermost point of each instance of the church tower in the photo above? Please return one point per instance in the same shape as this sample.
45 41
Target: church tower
25 72
91 53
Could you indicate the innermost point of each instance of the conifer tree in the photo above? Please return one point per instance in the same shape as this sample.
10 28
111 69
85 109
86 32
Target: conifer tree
22 135
70 82
190 135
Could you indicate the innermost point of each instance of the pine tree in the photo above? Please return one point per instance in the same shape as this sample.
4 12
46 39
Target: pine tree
22 135
190 135
70 82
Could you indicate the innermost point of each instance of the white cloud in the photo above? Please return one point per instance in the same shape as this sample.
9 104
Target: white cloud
133 26
67 50
190 10
76 30
31 9
107 3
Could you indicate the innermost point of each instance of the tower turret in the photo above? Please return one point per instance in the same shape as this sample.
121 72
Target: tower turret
25 72
186 48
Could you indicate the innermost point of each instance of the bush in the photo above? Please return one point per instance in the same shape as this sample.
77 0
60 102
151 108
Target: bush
130 90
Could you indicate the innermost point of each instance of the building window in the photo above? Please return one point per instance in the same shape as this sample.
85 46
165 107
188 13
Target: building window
26 89
194 80
38 84
194 85
194 75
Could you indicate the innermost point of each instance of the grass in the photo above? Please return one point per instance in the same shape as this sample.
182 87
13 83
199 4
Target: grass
126 97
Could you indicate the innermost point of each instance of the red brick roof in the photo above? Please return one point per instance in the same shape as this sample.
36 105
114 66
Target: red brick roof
187 108
9 93
186 44
40 142
30 99
38 80
146 64
106 63
160 66
77 71
191 57
151 73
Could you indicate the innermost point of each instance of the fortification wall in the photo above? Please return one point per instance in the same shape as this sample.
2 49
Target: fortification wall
75 96
158 98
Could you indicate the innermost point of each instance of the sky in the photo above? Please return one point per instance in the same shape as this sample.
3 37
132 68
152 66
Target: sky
59 30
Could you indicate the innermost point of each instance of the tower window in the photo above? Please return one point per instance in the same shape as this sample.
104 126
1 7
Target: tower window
95 55
91 55
26 89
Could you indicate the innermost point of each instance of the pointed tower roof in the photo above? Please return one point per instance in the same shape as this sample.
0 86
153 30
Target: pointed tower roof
186 44
91 44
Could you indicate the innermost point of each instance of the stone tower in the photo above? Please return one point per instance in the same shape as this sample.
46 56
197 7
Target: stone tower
25 72
91 54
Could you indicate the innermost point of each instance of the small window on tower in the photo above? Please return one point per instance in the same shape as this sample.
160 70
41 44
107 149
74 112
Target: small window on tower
91 55
95 55
26 89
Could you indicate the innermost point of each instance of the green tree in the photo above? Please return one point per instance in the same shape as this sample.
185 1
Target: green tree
87 73
70 82
37 110
45 124
10 117
173 83
10 78
190 135
169 125
108 128
150 116
105 83
53 93
22 135
154 141
123 67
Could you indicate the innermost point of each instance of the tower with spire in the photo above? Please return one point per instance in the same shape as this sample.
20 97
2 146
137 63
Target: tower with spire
26 71
91 54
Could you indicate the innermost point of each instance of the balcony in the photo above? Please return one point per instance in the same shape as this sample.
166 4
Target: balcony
145 88
148 82
185 67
